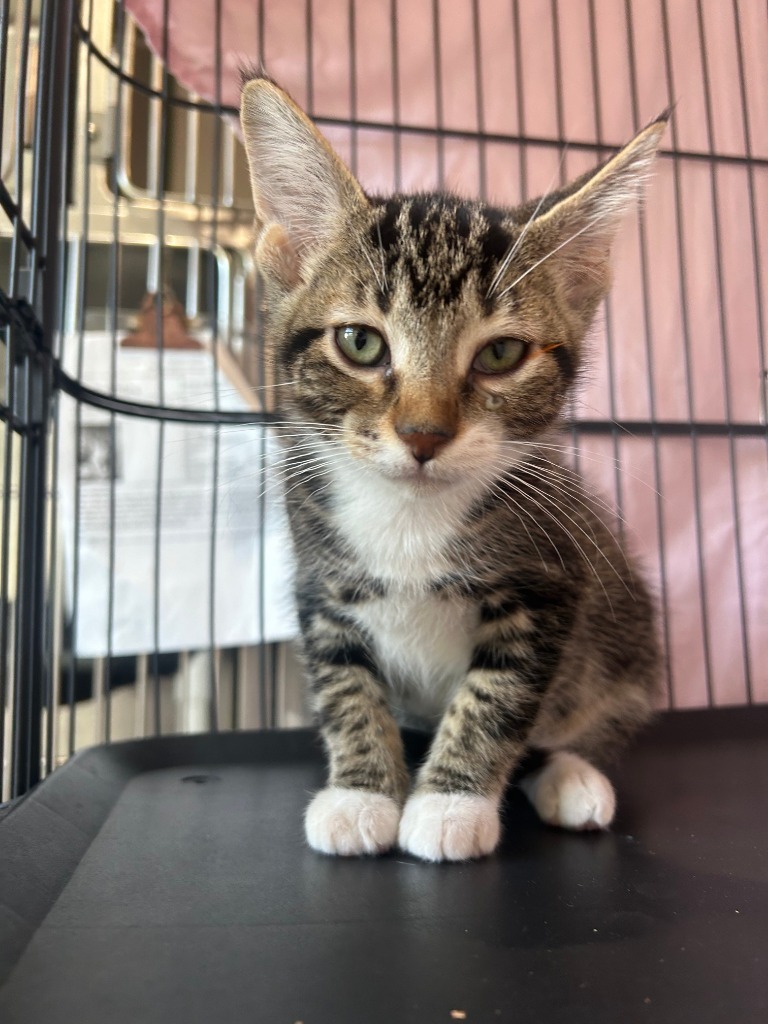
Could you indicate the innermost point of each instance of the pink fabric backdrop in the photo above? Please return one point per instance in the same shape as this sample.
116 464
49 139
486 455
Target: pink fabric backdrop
691 296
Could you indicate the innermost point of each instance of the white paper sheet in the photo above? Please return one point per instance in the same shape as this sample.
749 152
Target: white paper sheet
249 600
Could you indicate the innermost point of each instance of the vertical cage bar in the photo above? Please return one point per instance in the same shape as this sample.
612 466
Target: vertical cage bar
113 299
559 87
649 351
215 298
397 148
159 164
193 281
521 121
353 105
18 246
725 362
263 699
618 487
27 703
684 292
99 702
309 74
141 709
42 717
438 73
49 185
572 456
56 618
6 678
482 161
5 17
82 273
192 152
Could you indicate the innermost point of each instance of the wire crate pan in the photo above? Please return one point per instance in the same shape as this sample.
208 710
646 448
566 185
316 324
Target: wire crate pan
167 880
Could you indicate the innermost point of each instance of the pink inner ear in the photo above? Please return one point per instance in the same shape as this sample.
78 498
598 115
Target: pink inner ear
586 271
276 257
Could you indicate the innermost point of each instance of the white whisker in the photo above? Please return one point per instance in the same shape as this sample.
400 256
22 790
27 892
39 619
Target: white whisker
514 248
571 238
516 508
371 264
571 485
591 456
589 536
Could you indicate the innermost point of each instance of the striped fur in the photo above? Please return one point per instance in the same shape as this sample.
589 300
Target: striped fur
475 589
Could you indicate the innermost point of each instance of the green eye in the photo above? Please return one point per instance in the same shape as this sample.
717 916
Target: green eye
501 355
362 345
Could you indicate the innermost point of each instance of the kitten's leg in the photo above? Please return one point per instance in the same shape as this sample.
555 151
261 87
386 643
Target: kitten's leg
453 813
570 792
359 811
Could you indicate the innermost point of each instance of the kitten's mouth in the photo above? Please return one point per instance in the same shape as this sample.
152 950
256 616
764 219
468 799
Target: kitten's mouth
427 477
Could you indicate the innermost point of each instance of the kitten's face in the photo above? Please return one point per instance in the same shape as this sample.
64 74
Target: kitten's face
400 337
431 336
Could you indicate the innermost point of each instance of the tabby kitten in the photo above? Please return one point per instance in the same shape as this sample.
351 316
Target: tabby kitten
450 569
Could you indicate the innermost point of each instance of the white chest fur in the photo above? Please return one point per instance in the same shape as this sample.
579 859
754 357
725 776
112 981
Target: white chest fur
424 645
398 533
423 640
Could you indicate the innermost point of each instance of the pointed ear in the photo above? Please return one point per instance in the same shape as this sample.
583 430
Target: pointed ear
578 230
302 191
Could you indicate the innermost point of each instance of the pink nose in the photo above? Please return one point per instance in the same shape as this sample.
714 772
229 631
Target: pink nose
424 444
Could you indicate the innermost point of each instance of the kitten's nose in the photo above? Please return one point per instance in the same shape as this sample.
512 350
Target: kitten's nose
424 443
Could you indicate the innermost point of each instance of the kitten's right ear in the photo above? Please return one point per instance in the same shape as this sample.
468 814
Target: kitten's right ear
302 191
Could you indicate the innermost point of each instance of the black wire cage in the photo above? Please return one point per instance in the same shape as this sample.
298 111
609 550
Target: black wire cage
143 562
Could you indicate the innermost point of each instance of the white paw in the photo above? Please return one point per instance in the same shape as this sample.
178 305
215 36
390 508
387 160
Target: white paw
350 822
570 793
449 826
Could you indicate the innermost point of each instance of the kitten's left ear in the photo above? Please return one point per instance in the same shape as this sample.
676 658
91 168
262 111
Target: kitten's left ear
579 229
302 191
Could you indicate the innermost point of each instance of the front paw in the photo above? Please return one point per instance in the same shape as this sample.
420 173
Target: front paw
350 822
449 826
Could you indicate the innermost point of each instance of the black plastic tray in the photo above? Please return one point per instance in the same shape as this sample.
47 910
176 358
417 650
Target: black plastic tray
167 880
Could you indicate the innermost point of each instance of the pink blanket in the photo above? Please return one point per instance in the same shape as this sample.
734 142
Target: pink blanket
685 316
